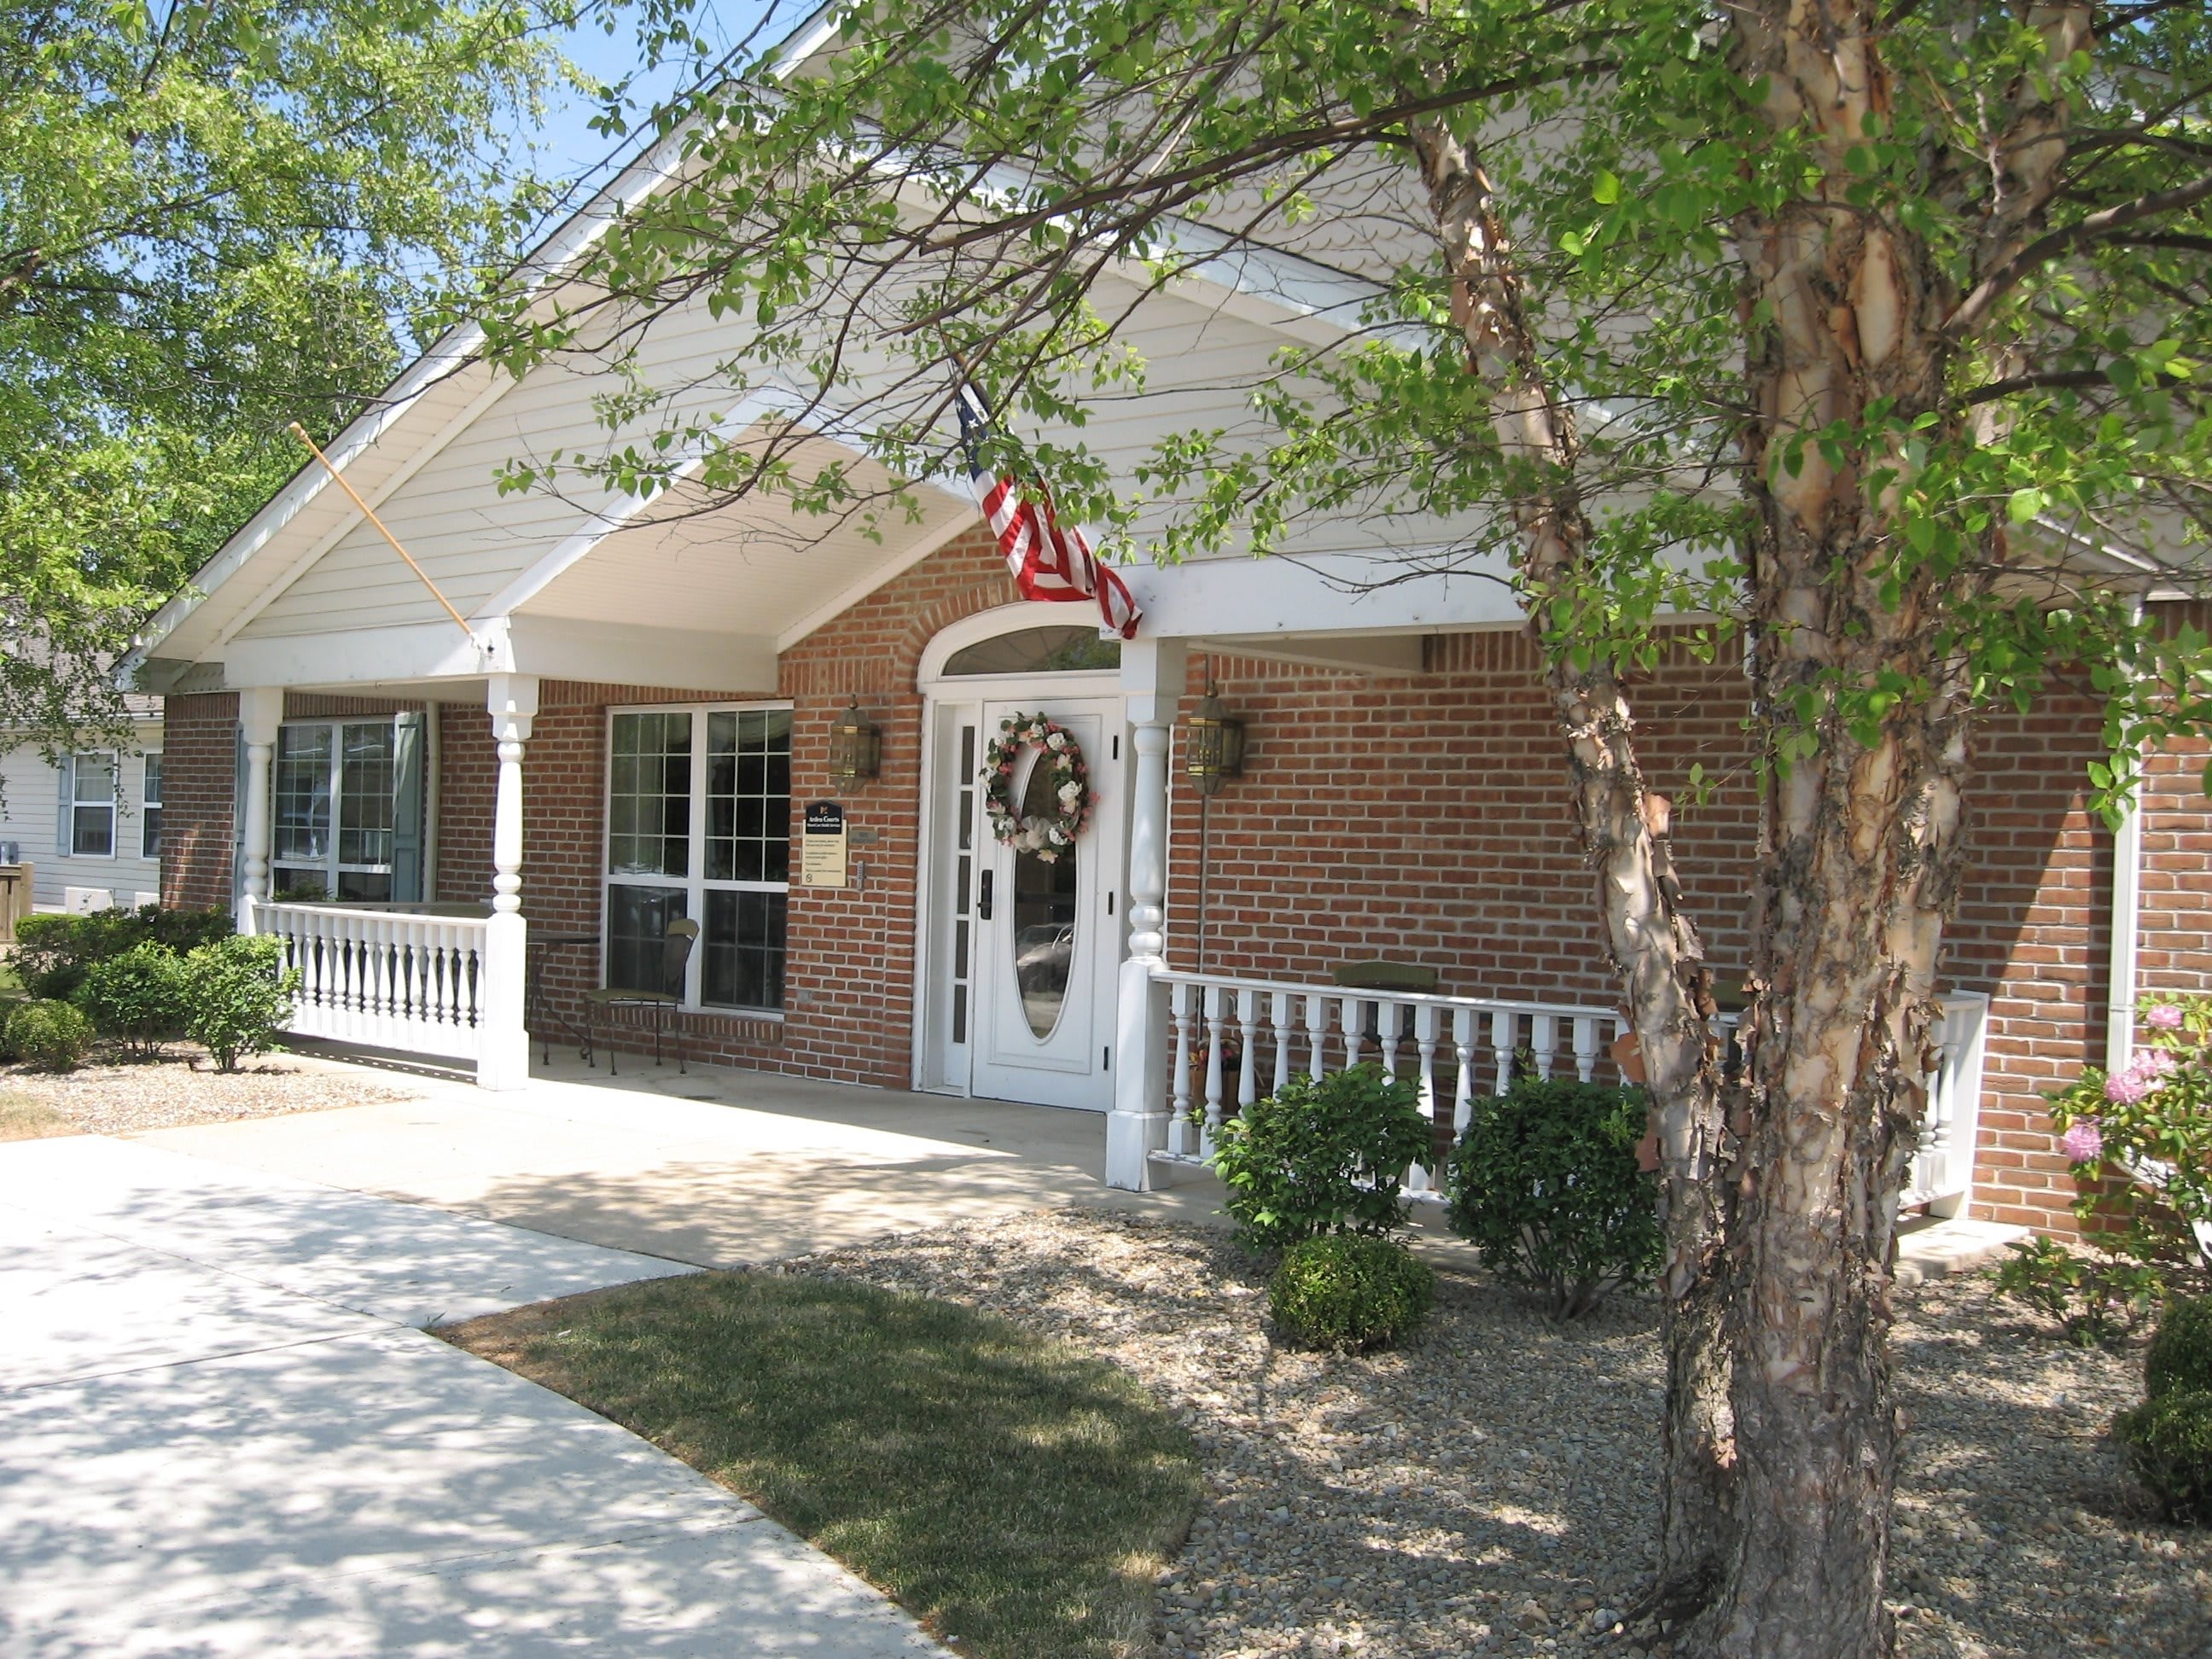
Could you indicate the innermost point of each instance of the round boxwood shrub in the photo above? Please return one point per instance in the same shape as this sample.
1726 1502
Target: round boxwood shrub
143 996
48 1033
1545 1184
1343 1293
1319 1158
241 996
2167 1441
2179 1358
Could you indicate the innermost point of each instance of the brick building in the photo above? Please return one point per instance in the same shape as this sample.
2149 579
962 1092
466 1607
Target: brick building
465 807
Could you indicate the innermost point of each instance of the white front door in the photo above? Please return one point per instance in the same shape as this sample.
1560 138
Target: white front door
1024 948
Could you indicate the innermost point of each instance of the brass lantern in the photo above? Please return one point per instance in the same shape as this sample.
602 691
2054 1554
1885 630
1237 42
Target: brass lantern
1213 744
856 747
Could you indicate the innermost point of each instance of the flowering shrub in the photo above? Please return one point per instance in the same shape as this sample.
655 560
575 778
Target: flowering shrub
2151 1122
2140 1143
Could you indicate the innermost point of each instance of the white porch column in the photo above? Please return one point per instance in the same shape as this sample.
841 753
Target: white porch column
503 1060
1152 682
260 712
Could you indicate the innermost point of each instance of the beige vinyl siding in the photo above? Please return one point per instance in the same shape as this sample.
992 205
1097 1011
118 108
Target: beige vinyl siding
29 799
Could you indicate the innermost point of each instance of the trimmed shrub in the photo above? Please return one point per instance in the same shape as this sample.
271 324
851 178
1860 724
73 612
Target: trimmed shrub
1343 1293
1545 1186
53 953
48 1033
2179 1358
1321 1157
143 996
2167 1442
240 993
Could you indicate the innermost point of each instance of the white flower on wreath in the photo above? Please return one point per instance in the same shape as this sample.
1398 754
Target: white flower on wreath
1056 742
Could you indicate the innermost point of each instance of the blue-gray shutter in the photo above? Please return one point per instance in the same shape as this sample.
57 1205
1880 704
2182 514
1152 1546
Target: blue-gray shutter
407 809
64 824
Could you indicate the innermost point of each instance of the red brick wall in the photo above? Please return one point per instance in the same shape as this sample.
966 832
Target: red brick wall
1422 819
199 763
1416 816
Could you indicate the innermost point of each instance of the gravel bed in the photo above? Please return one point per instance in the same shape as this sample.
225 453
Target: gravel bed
1491 1488
117 1097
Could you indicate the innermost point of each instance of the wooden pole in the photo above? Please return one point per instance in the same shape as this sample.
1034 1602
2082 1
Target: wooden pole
369 513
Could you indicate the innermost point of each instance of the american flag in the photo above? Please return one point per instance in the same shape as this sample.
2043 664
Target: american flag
1049 560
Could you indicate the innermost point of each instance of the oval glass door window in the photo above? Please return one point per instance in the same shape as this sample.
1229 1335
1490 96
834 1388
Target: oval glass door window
1044 914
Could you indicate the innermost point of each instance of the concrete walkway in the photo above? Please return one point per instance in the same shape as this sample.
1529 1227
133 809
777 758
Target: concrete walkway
720 1167
222 1434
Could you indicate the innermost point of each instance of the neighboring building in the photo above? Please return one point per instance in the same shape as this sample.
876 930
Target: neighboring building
90 823
643 704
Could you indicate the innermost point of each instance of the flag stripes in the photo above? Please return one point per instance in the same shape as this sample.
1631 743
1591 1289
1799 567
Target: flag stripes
1049 560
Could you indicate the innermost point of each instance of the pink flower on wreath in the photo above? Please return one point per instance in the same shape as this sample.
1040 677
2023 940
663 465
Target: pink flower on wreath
2166 1016
2084 1142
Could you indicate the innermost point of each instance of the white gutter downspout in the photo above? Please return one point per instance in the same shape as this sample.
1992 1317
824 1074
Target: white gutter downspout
2127 909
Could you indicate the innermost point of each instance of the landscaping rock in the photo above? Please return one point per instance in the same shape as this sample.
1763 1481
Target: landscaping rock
1492 1487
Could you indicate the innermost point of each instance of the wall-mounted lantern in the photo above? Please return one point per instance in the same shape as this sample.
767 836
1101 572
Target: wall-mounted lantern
856 747
1213 744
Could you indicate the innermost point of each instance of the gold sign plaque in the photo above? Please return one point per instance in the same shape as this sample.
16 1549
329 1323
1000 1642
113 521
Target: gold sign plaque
822 848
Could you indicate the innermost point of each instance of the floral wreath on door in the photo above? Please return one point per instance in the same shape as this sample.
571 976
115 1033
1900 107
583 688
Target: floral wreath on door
1045 834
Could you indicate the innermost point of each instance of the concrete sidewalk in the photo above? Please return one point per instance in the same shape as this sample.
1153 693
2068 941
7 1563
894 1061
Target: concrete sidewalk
221 1434
720 1167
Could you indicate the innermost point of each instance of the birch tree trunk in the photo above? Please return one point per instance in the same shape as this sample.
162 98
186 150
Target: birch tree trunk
1865 845
1623 830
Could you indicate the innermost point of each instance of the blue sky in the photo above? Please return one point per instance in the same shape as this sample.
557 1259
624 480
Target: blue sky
567 147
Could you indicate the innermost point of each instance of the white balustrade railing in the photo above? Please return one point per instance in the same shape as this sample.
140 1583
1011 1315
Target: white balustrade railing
1451 1048
1455 1048
1943 1168
386 979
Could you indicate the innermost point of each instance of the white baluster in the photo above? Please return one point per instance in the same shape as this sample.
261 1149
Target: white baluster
1586 1047
1248 1067
1278 1007
1544 1038
1463 1047
1502 1025
1352 1026
1425 1053
1215 1027
1390 1014
1316 1036
1179 1129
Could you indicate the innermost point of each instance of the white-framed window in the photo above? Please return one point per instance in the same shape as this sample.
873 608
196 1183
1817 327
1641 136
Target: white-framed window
149 822
88 818
334 783
699 825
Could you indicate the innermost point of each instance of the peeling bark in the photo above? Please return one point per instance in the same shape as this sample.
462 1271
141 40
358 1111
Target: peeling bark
1781 1219
1865 845
1621 823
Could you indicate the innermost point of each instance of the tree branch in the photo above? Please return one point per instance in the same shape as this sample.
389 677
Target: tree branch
1975 309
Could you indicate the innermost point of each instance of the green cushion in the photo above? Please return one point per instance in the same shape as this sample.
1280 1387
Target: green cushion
1386 977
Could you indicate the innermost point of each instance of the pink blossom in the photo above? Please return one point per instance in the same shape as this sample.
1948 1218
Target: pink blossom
2166 1016
2084 1141
2152 1064
2125 1088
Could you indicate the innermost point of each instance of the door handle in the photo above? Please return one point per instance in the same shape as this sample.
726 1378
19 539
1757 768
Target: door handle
983 897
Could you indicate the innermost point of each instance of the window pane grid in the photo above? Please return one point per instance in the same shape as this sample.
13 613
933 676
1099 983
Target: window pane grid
735 808
649 800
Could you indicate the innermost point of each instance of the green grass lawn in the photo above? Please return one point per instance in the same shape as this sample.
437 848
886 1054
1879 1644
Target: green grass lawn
1016 1495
